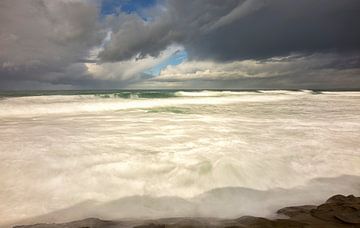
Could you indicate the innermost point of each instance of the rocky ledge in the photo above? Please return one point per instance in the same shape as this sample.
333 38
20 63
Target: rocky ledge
337 211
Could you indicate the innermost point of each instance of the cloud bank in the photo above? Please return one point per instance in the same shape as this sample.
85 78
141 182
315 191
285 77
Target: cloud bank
71 44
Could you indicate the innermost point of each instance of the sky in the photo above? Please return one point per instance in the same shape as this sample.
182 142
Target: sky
179 44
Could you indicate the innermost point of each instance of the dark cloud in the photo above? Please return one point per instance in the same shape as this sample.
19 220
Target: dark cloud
174 22
46 32
40 38
233 30
282 27
133 38
46 42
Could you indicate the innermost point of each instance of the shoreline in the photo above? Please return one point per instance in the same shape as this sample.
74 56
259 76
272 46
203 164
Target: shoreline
337 211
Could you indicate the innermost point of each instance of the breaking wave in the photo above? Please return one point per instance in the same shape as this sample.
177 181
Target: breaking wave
200 153
57 104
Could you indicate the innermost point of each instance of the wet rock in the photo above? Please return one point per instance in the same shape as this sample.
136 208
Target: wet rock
258 222
86 223
151 225
295 211
338 211
352 218
340 199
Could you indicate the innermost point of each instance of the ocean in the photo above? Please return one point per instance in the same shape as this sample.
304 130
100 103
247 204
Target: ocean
68 155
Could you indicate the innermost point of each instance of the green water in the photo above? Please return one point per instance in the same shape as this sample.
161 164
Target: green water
127 94
98 93
138 94
172 109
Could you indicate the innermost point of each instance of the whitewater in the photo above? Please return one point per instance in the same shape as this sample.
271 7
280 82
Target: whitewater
149 154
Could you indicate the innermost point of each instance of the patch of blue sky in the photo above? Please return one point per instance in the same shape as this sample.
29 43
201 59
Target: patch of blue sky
127 6
109 7
175 59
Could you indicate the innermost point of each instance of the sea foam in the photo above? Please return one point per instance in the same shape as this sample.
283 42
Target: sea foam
224 156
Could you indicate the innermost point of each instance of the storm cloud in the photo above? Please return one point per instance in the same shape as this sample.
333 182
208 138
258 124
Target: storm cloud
71 44
283 27
233 30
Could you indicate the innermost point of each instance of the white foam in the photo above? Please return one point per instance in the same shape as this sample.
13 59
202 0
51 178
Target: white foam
207 93
46 105
342 93
287 92
56 151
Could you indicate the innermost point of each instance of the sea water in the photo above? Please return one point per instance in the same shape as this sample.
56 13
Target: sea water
147 154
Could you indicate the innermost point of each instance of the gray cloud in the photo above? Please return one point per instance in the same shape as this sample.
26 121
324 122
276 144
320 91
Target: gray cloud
315 71
62 44
41 38
242 10
243 29
282 27
175 22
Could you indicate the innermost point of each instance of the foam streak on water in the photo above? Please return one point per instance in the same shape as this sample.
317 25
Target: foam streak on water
56 151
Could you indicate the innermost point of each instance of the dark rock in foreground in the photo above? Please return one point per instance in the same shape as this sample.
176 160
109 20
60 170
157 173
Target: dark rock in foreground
89 222
337 211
